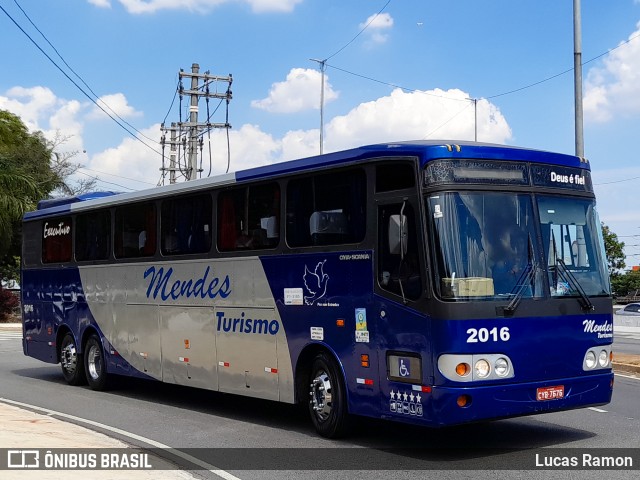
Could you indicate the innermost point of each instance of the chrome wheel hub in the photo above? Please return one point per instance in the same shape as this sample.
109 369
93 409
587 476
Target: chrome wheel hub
94 362
320 396
69 358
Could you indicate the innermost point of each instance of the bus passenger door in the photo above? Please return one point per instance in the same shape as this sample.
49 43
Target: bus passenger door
400 283
247 354
188 340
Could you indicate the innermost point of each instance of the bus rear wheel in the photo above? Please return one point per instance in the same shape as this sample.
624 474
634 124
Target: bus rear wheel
95 366
327 398
72 364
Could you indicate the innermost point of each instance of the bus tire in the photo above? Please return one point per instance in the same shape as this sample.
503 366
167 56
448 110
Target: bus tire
95 365
327 397
72 364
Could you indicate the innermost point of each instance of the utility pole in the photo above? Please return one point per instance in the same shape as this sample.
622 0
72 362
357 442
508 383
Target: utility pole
187 134
193 119
577 77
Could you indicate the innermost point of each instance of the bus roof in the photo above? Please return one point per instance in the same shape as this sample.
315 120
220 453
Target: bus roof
425 150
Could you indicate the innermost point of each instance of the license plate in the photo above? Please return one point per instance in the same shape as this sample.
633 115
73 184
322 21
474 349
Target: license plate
550 393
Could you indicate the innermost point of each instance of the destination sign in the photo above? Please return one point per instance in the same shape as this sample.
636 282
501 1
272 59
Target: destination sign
483 172
561 177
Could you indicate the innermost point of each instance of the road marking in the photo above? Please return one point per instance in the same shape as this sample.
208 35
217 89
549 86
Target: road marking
599 410
211 468
627 376
7 335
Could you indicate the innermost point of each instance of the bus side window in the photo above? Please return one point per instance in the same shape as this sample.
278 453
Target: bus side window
135 233
93 236
398 268
56 240
185 225
327 209
248 218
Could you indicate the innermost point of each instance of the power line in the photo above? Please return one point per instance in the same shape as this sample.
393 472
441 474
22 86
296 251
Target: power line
74 82
114 175
96 178
360 32
77 74
393 85
509 92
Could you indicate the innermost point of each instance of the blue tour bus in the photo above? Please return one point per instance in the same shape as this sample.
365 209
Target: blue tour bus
421 282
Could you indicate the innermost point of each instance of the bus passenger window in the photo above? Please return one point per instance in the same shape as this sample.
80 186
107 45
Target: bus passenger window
93 236
327 209
56 240
248 218
135 231
185 225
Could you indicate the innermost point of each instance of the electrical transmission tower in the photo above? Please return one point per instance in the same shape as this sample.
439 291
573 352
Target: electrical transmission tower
185 138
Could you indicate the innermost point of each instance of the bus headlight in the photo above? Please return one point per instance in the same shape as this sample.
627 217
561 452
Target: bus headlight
501 367
597 358
483 369
468 367
603 358
590 359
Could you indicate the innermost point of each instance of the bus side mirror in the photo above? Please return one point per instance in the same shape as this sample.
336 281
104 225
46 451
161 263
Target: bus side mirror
398 234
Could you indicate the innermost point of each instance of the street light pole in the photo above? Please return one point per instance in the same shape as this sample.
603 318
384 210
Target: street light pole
322 64
577 77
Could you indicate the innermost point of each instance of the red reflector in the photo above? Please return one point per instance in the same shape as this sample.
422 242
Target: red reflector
426 389
368 381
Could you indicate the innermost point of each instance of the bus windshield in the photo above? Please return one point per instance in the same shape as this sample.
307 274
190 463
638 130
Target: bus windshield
486 245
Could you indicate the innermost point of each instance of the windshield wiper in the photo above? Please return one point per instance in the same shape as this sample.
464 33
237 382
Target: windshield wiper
527 279
568 277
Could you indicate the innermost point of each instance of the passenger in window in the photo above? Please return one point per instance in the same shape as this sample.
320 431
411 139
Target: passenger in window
142 240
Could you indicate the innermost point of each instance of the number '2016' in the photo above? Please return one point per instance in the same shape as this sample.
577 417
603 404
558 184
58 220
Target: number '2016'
483 335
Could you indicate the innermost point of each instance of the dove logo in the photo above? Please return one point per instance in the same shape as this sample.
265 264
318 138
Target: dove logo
315 283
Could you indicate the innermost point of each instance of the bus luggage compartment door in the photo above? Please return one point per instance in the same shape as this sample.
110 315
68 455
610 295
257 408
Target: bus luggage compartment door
246 340
188 339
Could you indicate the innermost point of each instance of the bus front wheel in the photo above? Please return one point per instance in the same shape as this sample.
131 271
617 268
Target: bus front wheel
95 365
327 398
71 362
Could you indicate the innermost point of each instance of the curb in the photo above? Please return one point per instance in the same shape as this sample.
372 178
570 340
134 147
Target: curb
625 367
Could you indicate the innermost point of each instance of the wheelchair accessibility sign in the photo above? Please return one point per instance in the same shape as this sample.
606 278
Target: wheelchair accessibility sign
404 367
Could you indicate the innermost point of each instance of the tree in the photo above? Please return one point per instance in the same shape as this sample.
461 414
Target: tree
614 250
63 167
25 175
31 168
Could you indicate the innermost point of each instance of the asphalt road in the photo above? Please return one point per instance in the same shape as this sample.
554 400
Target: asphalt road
626 343
270 440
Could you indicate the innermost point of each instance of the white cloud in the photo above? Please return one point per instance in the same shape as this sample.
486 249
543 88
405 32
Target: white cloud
39 109
200 6
395 117
614 88
417 115
131 159
100 3
377 26
32 105
114 104
299 92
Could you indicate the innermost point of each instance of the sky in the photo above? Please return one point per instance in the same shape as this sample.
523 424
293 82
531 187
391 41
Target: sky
394 70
